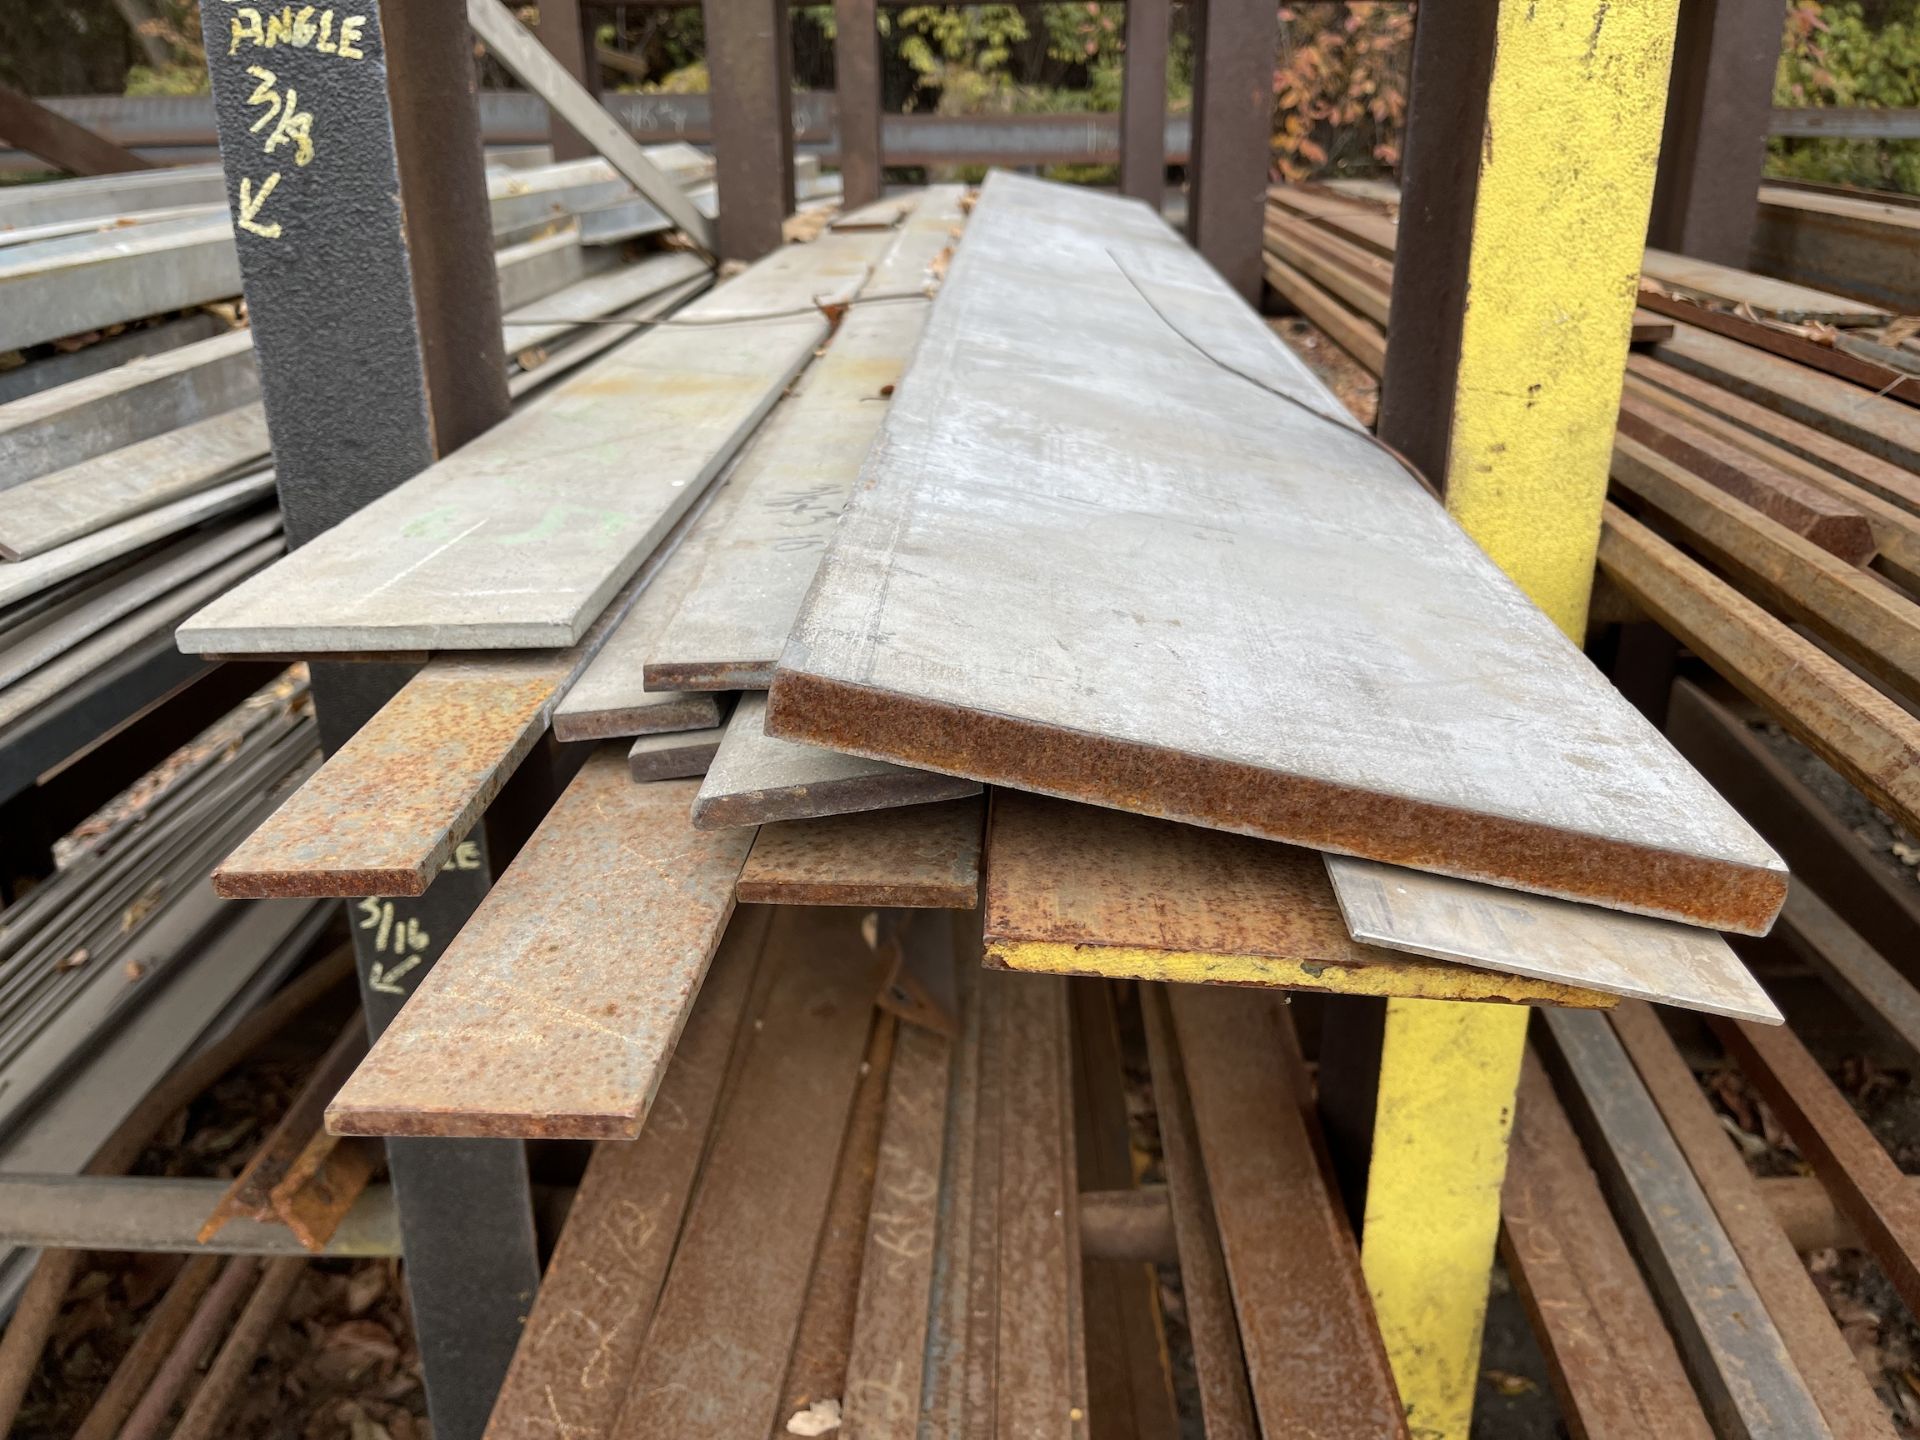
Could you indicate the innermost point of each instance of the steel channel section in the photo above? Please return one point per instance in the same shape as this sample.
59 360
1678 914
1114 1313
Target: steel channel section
313 179
856 71
1143 102
1232 134
749 52
1706 200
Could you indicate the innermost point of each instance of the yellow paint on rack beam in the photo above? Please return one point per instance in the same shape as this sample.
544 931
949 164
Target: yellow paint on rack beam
1448 1075
1407 976
1574 114
1566 184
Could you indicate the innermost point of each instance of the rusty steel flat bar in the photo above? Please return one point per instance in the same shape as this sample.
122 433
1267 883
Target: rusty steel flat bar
1864 617
1614 1367
1811 931
944 1389
1865 1183
1806 1325
917 856
1315 1361
887 1353
681 755
1807 509
1865 736
1879 378
724 1327
1220 1368
1739 1364
1040 1376
1064 888
555 1011
979 1342
1129 1384
570 1371
391 806
823 1337
1823 851
251 1194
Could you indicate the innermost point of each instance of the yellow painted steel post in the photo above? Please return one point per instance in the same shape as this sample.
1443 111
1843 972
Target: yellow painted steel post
1574 114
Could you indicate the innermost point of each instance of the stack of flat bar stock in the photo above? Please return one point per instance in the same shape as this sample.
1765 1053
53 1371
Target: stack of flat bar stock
826 562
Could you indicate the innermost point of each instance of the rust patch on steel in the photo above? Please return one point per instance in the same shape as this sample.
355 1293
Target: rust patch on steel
554 1012
711 675
384 812
670 714
323 1184
570 1370
914 857
1102 888
1314 1354
1248 800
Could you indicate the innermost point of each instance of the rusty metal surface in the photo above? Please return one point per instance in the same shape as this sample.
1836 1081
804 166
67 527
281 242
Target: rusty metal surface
571 1371
1867 1187
943 1387
1864 617
917 856
887 1353
921 988
1614 1367
1084 890
725 1324
1315 1360
817 1369
1220 1371
683 756
250 1196
324 1182
1132 1224
1853 727
554 1012
1803 508
979 1340
1825 1360
1129 1383
1040 1381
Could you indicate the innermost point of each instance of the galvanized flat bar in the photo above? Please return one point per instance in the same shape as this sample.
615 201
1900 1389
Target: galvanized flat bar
1220 1368
755 778
555 1010
88 282
729 629
823 1335
717 1351
552 316
47 203
597 1297
149 396
1763 294
1072 344
1315 1361
1860 732
108 644
67 505
534 66
1064 888
153 1214
916 857
1825 1359
1614 1367
679 755
530 272
499 547
1851 1162
1888 429
1739 1365
31 644
385 813
1521 934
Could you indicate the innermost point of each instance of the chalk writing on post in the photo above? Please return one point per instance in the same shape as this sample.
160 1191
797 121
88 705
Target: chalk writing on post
396 935
284 127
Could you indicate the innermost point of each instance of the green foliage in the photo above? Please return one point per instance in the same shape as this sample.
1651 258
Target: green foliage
1842 53
189 79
